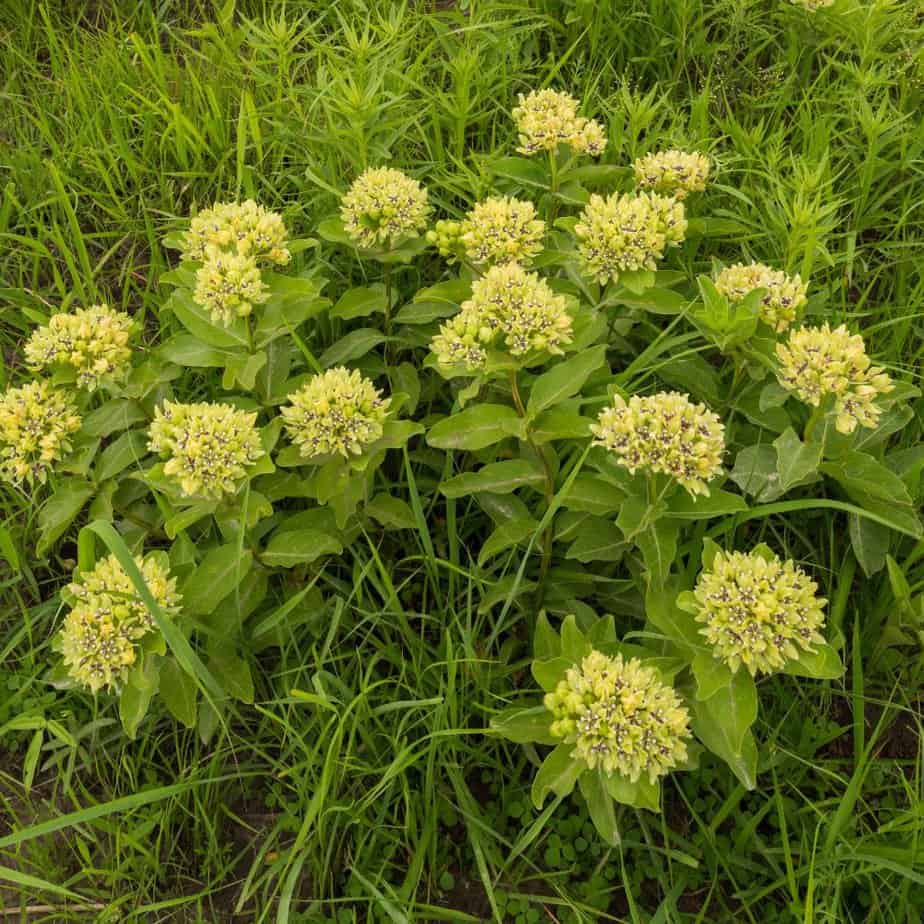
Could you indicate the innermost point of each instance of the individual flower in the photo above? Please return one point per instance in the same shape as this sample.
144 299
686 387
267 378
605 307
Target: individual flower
508 304
228 285
817 362
547 118
673 173
757 611
783 300
382 206
243 227
208 447
36 424
446 236
664 433
620 717
93 341
624 233
338 412
502 230
100 635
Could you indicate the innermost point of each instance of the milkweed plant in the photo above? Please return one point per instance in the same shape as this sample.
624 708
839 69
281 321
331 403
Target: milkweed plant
608 396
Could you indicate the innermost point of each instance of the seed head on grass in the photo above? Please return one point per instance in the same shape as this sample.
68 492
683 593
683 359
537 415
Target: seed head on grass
228 286
664 433
672 173
382 206
508 306
547 118
624 233
783 300
208 447
620 717
817 362
36 424
93 341
245 228
757 611
100 635
336 413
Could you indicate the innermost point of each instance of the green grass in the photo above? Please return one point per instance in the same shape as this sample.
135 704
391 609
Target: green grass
362 784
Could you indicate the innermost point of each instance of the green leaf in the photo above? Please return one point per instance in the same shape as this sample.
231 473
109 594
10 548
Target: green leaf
331 229
508 534
559 423
129 449
178 691
574 644
235 675
640 794
360 302
756 474
565 379
475 427
355 344
60 510
217 575
187 350
655 300
546 642
658 545
496 478
549 671
711 675
524 171
300 546
591 494
558 774
664 613
717 503
524 725
796 462
870 541
821 663
391 512
600 805
113 416
598 540
136 695
199 323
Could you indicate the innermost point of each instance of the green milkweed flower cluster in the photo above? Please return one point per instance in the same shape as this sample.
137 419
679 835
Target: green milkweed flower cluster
228 285
382 206
620 717
624 233
245 228
36 424
93 341
100 635
338 412
209 447
664 433
781 303
446 236
758 611
502 230
817 362
547 118
508 304
673 173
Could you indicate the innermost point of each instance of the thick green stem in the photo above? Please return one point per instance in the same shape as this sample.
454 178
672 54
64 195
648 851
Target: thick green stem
548 488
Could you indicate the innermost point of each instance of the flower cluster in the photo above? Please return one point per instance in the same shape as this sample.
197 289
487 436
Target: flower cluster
100 635
507 303
673 173
446 236
382 206
36 423
93 341
780 304
502 230
664 433
246 228
209 447
338 412
228 285
816 362
620 717
547 118
758 611
624 233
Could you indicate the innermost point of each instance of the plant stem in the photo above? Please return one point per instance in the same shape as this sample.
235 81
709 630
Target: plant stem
553 174
548 488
